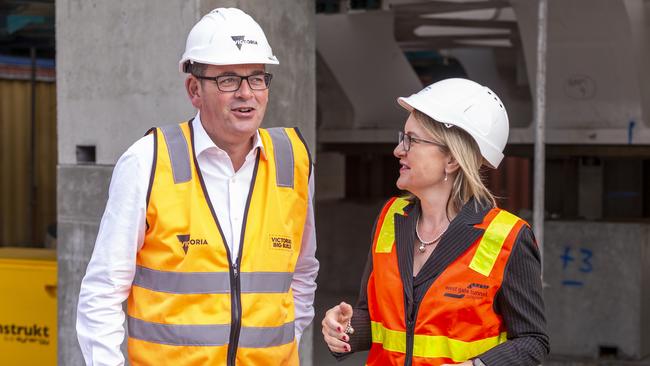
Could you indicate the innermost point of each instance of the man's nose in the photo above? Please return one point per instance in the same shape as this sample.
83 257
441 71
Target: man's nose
244 90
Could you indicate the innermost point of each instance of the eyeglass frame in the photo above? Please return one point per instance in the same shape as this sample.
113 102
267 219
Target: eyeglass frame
402 137
267 80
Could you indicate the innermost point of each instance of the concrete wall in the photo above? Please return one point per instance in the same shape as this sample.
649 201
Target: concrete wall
598 288
82 193
117 72
117 75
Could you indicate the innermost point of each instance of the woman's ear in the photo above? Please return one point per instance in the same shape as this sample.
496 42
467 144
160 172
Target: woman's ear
193 87
452 165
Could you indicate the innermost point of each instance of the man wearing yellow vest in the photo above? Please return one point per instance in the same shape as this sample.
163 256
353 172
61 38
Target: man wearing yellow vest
208 232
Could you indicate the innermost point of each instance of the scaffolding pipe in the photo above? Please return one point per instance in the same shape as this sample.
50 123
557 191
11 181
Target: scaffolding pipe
540 129
31 220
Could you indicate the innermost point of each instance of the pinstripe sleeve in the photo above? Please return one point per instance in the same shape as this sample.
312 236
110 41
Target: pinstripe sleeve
361 339
520 302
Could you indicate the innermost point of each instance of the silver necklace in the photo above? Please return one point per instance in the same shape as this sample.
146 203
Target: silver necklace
423 244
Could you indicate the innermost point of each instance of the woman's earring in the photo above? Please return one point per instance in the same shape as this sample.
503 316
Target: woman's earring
445 176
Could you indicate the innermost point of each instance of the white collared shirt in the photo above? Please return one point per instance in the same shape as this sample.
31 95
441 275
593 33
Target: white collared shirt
110 273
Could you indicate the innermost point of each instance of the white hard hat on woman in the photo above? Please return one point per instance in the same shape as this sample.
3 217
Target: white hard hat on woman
467 105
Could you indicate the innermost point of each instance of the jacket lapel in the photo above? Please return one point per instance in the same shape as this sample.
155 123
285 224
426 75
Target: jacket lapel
404 237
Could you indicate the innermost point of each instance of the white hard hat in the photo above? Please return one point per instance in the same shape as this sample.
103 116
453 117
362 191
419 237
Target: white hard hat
227 36
467 105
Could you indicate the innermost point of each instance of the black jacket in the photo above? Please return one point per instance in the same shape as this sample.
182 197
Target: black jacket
519 301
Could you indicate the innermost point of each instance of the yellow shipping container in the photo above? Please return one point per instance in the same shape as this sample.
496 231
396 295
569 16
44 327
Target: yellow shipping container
28 306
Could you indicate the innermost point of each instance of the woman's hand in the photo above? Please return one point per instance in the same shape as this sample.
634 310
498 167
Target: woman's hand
466 363
334 323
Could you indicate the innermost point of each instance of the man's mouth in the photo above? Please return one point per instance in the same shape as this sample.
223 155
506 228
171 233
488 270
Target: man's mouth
243 112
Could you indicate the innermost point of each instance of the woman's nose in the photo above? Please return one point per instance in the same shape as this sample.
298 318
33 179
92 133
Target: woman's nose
399 151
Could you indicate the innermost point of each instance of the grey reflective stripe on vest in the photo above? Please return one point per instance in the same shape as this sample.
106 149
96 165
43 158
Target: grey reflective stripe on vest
260 337
265 282
283 156
209 335
182 282
178 153
179 335
211 282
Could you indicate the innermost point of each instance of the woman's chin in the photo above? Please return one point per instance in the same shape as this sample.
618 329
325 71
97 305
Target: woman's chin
401 185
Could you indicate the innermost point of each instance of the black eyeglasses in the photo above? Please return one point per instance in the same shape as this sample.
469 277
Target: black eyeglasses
231 83
406 141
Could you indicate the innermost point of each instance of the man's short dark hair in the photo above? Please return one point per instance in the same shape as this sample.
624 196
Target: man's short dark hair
196 68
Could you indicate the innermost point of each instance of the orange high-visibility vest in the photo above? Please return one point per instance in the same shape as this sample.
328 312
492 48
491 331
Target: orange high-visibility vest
189 304
456 320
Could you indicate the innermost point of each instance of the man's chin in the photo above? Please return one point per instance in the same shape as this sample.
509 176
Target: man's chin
246 129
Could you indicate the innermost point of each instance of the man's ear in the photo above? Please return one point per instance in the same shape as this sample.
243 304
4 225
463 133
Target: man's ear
194 92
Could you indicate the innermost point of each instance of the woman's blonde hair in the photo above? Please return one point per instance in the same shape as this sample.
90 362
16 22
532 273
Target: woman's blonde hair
468 182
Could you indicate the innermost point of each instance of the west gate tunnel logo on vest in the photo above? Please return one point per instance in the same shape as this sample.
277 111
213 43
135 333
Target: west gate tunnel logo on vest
472 291
241 40
186 241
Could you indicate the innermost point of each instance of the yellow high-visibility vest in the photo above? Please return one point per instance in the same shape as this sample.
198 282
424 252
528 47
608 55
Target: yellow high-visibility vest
189 304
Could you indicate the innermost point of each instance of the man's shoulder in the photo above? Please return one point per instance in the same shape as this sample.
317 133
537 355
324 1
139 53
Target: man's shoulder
140 153
133 170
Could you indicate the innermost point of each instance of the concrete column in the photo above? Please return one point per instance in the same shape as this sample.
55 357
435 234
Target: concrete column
117 75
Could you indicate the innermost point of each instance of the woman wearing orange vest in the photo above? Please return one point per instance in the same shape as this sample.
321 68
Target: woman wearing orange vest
451 278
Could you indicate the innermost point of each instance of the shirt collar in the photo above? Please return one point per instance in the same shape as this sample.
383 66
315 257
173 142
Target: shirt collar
472 211
203 142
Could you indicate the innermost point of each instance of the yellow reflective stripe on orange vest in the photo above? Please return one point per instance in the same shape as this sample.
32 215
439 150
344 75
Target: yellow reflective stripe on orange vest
433 346
387 237
493 238
391 340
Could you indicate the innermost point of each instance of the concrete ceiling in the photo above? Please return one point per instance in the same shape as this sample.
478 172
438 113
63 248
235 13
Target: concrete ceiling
451 24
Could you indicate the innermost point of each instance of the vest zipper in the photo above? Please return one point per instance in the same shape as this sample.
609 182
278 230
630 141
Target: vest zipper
408 360
235 304
235 282
410 333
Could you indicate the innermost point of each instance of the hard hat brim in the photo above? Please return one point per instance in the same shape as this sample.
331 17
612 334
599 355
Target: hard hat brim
224 62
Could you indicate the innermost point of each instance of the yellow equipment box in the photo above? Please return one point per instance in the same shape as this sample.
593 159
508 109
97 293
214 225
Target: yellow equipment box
27 306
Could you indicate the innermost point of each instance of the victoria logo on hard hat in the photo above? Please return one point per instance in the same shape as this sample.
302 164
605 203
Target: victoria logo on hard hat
241 40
